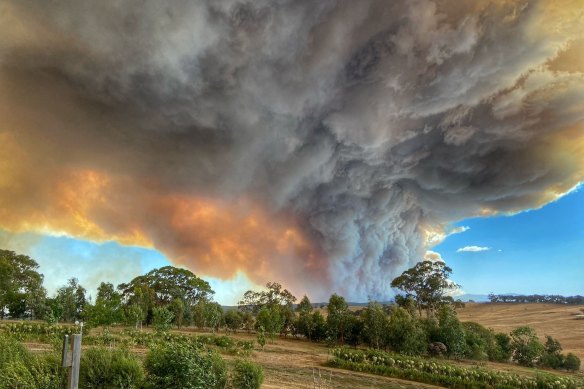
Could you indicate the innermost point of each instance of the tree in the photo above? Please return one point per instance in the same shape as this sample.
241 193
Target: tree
108 306
338 319
213 313
319 326
261 337
375 325
71 299
527 349
271 319
404 333
552 356
177 307
304 322
253 301
233 320
160 287
21 291
162 318
428 283
135 315
450 332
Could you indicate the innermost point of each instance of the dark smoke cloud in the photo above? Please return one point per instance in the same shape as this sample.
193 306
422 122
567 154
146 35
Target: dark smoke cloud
371 124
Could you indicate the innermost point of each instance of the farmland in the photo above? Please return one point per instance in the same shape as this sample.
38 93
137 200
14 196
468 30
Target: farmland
294 363
556 320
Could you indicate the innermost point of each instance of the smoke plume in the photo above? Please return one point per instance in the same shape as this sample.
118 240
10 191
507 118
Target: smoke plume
325 145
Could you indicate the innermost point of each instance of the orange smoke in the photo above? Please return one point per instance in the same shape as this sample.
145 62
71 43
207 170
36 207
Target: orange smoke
210 236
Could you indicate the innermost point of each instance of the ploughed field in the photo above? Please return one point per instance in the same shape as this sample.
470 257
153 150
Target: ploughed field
557 320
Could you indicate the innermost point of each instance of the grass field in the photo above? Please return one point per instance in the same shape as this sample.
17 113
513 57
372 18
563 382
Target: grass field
555 320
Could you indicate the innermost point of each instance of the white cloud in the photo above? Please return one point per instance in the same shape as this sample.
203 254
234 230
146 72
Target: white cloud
472 249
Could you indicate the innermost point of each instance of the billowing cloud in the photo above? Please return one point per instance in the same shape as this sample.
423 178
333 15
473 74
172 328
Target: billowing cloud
472 249
322 145
433 256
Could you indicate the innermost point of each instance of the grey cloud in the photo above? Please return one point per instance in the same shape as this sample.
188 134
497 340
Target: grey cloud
368 120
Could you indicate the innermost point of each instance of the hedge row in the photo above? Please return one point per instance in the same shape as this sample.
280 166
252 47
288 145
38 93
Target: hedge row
441 373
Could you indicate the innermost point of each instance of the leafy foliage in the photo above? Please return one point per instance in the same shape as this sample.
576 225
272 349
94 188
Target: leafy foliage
184 366
247 375
427 282
21 290
107 368
443 374
527 349
254 301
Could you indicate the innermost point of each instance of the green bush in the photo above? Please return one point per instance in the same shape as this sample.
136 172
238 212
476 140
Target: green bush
247 375
104 368
11 350
20 369
572 362
184 366
527 349
438 372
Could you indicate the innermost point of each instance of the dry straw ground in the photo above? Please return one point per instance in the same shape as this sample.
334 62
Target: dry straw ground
559 321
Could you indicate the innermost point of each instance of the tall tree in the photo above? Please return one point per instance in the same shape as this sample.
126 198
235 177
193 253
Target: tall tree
428 283
107 309
375 324
71 299
21 291
339 318
305 323
160 287
275 294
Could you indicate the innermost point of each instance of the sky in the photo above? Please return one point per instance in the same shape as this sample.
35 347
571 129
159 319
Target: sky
327 146
533 252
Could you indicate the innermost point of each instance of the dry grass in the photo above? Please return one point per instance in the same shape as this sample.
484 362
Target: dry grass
556 320
289 363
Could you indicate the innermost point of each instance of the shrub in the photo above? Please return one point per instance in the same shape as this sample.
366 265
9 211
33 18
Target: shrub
572 362
404 333
20 369
503 350
527 349
162 318
11 350
104 368
183 366
247 375
440 373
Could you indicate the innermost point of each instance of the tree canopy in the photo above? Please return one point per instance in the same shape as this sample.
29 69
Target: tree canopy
428 283
21 289
275 295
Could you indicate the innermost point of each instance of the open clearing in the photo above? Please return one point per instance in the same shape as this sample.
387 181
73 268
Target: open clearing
557 320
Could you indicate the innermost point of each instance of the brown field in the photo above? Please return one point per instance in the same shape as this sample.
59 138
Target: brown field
555 320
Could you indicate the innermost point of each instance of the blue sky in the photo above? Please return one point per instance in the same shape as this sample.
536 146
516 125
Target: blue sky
537 251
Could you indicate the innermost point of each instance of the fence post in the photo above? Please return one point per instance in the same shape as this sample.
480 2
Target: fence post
75 362
71 358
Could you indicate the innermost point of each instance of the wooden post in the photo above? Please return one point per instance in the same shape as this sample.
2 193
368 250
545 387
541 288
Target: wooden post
71 358
65 357
75 362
